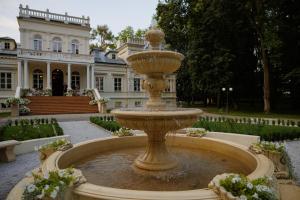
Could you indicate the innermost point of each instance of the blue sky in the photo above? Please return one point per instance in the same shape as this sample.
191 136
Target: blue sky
117 14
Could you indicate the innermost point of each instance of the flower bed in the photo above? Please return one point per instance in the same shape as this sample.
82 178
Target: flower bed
27 129
122 132
47 149
106 122
266 132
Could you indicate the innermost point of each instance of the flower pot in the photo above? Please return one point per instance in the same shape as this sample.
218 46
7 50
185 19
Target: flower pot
14 110
278 160
45 153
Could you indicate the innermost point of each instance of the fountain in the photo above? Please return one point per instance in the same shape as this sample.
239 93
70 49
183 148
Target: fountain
122 168
156 120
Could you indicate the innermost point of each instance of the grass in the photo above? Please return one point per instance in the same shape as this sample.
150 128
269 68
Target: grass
28 132
266 132
4 114
250 113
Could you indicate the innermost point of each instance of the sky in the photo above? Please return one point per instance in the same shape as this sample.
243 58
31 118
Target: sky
117 14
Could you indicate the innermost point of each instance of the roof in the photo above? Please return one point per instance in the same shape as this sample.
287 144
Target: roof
101 57
6 38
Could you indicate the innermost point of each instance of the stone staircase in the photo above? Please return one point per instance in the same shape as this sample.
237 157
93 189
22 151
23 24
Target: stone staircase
43 105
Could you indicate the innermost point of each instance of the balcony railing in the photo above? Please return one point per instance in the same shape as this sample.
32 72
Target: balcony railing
131 41
54 56
46 15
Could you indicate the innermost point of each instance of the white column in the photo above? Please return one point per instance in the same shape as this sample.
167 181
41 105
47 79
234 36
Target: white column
26 75
88 77
93 77
48 75
19 73
69 76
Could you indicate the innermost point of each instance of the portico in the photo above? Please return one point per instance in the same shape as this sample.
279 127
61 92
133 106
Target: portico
56 76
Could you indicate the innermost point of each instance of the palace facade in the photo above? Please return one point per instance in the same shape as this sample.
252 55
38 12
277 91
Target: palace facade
54 55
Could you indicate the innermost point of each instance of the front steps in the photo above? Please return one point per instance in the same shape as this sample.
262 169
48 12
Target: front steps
46 105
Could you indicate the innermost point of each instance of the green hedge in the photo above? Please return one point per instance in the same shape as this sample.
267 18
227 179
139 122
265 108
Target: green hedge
266 132
106 123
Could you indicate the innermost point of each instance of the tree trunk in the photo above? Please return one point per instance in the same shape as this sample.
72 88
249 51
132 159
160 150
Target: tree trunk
266 81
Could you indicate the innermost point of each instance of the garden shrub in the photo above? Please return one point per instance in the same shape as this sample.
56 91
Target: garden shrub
103 122
266 132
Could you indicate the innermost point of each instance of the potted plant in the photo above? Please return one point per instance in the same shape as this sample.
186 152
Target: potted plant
122 132
58 145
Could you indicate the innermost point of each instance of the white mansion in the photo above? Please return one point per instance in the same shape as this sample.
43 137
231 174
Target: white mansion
54 55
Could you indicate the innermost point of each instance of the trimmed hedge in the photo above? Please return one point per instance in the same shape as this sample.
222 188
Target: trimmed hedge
266 132
106 123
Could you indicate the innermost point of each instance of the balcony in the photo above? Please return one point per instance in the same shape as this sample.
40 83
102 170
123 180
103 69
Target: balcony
54 56
48 16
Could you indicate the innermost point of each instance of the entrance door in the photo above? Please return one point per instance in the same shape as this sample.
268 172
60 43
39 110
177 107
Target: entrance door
57 83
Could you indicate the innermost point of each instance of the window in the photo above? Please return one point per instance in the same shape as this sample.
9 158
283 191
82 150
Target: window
118 84
38 79
136 84
99 83
113 56
75 81
168 88
138 104
75 47
57 44
6 45
118 104
37 43
5 80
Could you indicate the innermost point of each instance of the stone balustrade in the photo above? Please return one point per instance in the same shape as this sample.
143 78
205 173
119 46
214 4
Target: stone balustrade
54 56
48 16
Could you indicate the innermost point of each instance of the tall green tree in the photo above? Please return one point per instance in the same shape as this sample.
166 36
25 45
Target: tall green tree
102 38
128 32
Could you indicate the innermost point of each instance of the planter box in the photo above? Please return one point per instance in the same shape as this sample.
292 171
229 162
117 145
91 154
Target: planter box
28 146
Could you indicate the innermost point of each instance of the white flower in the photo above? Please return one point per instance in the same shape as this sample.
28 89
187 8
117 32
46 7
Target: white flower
249 186
30 188
263 188
53 194
236 179
57 188
61 173
61 182
46 187
255 195
243 197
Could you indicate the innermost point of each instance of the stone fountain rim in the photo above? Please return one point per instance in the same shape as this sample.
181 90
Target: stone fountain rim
157 113
156 53
264 167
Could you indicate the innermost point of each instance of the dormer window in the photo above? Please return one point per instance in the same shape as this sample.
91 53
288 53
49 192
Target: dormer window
75 47
6 45
57 44
37 43
113 56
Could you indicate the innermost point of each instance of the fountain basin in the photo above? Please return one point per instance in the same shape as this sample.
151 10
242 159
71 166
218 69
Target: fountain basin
257 165
153 62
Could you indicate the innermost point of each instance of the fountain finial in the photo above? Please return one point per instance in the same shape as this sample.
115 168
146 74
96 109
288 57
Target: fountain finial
155 36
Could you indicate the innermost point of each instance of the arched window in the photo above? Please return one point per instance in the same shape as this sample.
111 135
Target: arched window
38 79
57 44
37 43
75 46
75 84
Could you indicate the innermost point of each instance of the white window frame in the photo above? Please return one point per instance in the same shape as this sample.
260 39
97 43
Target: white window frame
57 45
75 80
100 83
137 84
75 48
5 81
37 44
117 84
6 45
39 80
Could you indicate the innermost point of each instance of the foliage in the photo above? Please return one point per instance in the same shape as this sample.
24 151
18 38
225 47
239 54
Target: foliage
199 132
50 185
122 132
101 100
108 125
16 101
24 110
26 129
269 146
266 132
103 38
55 145
70 93
240 186
128 32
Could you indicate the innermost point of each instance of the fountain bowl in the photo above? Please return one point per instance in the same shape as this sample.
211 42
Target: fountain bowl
155 62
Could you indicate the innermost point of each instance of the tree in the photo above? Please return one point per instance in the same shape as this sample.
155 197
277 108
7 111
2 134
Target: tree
103 38
128 32
140 33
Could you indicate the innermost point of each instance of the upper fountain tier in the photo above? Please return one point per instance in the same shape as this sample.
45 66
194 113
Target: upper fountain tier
155 63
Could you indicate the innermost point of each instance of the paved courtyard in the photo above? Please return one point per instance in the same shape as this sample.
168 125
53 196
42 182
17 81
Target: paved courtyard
11 173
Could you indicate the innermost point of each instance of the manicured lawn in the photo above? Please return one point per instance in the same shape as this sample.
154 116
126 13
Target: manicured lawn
4 114
250 113
27 132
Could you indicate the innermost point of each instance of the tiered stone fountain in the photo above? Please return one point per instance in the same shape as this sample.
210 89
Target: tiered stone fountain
112 166
156 120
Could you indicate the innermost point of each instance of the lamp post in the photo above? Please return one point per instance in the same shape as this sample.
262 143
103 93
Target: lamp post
230 89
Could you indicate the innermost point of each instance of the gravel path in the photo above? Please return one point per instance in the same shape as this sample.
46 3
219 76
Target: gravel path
293 150
11 173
